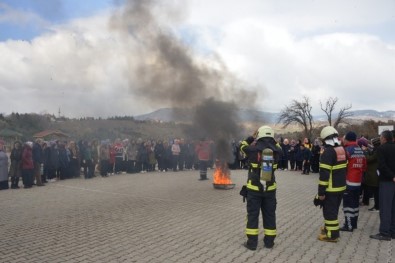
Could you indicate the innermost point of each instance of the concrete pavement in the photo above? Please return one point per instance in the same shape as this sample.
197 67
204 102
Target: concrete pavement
171 217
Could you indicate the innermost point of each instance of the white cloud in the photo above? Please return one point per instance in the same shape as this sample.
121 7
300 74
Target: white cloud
285 51
78 67
347 66
307 48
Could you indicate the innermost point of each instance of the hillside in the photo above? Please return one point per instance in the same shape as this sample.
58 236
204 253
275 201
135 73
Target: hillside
88 128
186 115
246 115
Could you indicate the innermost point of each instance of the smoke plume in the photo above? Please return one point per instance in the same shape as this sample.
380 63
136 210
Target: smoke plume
167 72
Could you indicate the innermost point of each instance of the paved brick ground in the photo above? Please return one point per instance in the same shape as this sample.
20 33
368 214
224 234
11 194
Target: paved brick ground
170 217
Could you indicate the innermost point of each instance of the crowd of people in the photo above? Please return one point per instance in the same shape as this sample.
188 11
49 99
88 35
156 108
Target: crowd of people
304 157
42 161
298 155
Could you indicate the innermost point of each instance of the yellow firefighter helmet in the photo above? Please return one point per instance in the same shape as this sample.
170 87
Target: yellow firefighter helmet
328 131
264 131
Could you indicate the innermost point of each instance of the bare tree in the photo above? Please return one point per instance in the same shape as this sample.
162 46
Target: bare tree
298 112
329 109
342 116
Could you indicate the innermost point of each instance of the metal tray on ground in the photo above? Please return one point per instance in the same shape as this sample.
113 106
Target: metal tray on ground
224 186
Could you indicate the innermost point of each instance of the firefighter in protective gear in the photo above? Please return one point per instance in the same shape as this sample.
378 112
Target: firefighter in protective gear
261 194
332 182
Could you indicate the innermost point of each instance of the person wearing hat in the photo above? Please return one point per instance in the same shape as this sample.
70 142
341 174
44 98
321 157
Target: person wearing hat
3 167
263 155
356 166
332 182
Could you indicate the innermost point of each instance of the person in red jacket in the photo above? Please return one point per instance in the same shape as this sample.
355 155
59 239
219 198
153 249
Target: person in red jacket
203 153
356 166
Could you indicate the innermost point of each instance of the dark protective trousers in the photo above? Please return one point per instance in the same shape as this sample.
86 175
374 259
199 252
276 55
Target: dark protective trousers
331 211
266 203
351 208
387 208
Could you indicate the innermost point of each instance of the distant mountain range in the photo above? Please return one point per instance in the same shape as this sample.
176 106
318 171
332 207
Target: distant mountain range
246 115
362 115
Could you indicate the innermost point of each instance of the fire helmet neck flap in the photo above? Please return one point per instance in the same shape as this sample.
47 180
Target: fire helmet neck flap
330 136
264 131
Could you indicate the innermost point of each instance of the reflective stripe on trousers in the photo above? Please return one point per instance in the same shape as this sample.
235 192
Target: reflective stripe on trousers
351 208
331 211
261 202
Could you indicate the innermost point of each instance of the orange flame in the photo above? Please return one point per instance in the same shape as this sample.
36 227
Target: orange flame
221 173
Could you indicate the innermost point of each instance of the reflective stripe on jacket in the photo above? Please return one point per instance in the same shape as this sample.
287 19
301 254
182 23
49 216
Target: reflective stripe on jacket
253 152
333 169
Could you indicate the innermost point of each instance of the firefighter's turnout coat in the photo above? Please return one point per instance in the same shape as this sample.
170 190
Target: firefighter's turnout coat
332 184
260 196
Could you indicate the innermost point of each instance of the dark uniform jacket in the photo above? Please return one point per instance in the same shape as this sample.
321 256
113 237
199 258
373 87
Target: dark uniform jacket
386 161
333 170
253 151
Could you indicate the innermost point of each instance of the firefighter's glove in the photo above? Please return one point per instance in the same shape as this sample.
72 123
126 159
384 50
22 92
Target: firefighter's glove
318 202
243 193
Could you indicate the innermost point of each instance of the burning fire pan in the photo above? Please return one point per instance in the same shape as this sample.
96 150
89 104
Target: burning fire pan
224 186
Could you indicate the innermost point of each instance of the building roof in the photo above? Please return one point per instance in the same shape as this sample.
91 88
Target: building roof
51 134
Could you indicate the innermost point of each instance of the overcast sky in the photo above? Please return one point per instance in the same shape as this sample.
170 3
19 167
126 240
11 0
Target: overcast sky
68 54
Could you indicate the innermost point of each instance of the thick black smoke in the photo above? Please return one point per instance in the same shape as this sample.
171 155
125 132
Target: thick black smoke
167 72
